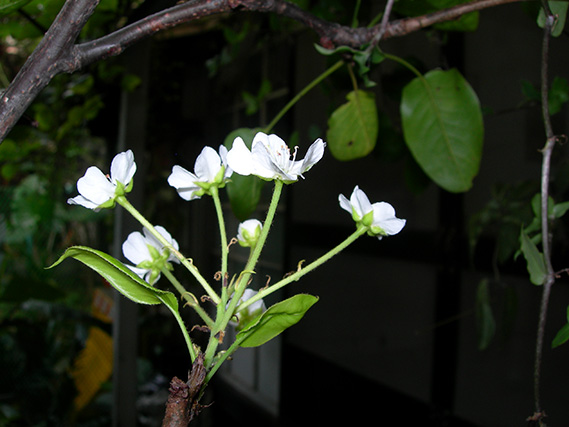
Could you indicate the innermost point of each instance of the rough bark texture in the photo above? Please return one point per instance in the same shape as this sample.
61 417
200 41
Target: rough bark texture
183 402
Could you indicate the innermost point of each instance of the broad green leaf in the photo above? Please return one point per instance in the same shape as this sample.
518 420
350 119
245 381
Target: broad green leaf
244 192
486 325
275 320
9 6
559 10
534 259
117 274
443 128
353 127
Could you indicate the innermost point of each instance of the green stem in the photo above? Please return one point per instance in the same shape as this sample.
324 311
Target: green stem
302 271
224 315
404 63
190 299
222 232
303 92
122 200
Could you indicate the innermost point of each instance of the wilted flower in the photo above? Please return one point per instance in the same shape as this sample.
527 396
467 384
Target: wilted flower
210 170
248 233
147 254
379 218
98 191
270 158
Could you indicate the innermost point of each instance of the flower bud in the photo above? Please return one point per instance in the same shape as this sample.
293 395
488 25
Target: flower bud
249 232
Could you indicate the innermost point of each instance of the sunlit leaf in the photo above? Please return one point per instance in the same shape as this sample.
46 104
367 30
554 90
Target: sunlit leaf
443 128
353 127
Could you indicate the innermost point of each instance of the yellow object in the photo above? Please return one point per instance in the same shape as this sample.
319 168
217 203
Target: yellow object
94 364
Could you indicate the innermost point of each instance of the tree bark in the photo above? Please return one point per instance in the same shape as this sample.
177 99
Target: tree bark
183 402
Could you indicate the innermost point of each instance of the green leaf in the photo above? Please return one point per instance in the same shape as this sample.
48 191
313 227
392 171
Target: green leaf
275 320
443 128
244 192
562 335
558 94
353 127
117 274
9 6
486 325
559 9
534 259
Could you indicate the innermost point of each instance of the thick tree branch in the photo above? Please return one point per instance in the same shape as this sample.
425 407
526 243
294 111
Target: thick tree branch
57 52
47 60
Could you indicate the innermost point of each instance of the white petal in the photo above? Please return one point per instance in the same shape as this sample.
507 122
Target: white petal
134 248
183 181
143 273
360 202
263 163
95 186
123 168
313 155
345 203
154 241
239 158
82 201
223 156
384 217
207 165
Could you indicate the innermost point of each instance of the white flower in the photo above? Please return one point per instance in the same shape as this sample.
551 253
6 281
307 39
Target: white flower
98 191
210 170
379 218
248 232
270 158
148 254
251 311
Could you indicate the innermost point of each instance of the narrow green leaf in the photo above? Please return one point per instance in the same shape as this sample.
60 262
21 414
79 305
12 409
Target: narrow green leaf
486 325
353 127
244 192
561 337
443 128
116 273
275 320
534 259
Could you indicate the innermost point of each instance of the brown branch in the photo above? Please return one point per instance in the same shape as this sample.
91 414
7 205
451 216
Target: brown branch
46 61
547 153
57 53
183 402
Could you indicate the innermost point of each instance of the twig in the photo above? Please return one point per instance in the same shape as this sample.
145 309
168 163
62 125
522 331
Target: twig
57 53
547 151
